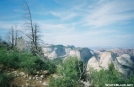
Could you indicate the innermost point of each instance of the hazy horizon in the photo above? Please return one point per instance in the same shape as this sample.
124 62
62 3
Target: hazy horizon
82 23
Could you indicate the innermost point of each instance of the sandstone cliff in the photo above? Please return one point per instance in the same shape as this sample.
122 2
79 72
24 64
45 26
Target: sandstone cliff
124 64
59 51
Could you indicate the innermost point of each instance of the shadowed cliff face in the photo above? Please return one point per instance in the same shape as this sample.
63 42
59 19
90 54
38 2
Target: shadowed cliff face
85 54
57 51
132 58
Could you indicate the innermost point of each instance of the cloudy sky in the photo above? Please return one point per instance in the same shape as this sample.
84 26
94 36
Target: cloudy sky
83 23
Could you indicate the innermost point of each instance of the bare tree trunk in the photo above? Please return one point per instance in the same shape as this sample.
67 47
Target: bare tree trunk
12 34
16 35
12 37
29 18
34 37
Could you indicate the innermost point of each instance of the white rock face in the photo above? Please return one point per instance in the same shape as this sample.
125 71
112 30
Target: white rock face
54 51
123 64
108 58
82 53
125 60
126 64
58 51
93 63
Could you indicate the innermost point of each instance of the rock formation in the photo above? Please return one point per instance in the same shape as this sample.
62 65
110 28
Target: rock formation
60 51
126 60
120 52
124 64
93 63
117 51
107 58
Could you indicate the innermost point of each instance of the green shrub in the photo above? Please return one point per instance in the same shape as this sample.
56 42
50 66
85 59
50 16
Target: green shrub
72 68
50 65
69 72
31 64
102 77
9 58
5 80
38 64
130 80
63 82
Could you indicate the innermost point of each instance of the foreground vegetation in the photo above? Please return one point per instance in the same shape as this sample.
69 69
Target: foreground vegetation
68 71
110 76
14 59
5 80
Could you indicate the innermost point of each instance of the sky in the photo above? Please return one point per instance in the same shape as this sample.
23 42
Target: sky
82 23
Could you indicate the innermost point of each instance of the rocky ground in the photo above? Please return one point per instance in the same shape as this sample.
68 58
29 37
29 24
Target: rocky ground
22 79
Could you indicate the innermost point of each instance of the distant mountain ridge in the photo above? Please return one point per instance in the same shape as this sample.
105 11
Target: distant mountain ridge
123 59
117 51
59 51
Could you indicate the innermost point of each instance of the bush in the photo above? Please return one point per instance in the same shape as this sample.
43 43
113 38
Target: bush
102 77
5 80
9 58
69 72
31 64
38 64
63 82
130 80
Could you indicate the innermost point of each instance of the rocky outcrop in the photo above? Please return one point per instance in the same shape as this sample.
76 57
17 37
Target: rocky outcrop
54 51
117 51
107 58
126 60
21 79
82 53
60 51
120 52
93 63
124 64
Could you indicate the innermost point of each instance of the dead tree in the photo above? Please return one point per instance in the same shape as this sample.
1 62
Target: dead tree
16 35
11 37
34 30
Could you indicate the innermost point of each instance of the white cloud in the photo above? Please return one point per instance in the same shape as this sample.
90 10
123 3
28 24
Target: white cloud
64 15
9 24
110 13
92 26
